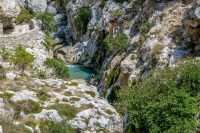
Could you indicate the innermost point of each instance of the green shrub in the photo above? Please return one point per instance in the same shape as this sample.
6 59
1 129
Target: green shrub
61 70
24 17
73 84
91 93
6 96
48 20
146 27
9 127
117 43
55 127
49 42
117 13
2 73
189 76
82 19
39 73
43 95
65 110
22 58
74 99
27 106
102 4
68 93
166 101
5 54
61 4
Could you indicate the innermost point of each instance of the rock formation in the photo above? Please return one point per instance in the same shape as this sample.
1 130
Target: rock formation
9 10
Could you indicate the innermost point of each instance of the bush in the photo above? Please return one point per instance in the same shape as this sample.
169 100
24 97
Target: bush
117 13
166 101
66 110
49 42
146 27
6 96
61 70
9 127
55 127
117 43
61 4
22 58
5 54
91 93
48 22
82 19
2 73
73 84
27 106
189 76
24 17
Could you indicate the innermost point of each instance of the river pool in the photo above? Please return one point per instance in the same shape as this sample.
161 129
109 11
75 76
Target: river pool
79 72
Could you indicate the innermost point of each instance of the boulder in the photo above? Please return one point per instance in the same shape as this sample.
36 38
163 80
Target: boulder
192 16
9 10
52 10
37 5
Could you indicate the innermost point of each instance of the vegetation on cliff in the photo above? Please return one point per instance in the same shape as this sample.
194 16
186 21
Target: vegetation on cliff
82 19
165 101
22 58
61 70
117 43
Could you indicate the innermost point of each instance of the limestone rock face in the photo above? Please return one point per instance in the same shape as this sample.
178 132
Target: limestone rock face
192 15
191 20
52 10
37 5
9 10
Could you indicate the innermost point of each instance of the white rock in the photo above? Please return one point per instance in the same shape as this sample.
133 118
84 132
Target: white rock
1 129
1 103
52 10
24 95
49 115
37 5
103 121
5 65
11 75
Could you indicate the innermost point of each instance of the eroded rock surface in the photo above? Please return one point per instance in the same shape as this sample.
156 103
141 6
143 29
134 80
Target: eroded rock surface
9 10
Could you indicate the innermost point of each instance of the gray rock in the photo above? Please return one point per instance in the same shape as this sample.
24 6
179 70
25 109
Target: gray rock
49 115
1 129
52 10
37 5
5 65
11 75
9 10
197 12
1 103
24 95
59 17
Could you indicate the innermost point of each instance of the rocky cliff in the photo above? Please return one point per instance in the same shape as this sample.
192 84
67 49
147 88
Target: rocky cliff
159 33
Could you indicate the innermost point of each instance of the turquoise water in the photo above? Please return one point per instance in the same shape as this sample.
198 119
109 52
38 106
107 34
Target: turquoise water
79 72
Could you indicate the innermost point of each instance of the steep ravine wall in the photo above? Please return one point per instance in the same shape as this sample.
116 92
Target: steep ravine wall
155 29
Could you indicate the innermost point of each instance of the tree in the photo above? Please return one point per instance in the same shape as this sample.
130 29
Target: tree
166 101
117 43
